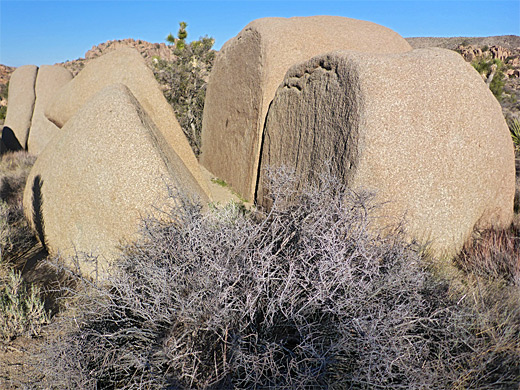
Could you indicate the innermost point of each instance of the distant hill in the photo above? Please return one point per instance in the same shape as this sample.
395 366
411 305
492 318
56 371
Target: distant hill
508 41
148 51
504 47
510 104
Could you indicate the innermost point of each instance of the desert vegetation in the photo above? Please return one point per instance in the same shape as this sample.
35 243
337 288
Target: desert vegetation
305 295
21 307
493 70
3 96
184 81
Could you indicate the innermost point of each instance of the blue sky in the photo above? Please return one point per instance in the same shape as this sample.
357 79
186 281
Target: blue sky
46 32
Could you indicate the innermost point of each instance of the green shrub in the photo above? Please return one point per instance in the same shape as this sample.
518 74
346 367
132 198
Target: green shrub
305 296
4 90
21 309
184 80
514 128
483 66
3 96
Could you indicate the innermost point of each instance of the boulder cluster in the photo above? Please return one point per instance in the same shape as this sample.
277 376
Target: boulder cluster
30 90
418 127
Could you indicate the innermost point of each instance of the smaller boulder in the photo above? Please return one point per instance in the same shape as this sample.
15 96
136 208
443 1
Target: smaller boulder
125 66
110 167
21 105
48 82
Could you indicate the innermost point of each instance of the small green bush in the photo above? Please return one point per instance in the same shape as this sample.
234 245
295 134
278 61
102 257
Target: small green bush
21 309
483 66
4 90
514 128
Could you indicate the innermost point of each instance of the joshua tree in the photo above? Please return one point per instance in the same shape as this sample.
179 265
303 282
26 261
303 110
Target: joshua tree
182 34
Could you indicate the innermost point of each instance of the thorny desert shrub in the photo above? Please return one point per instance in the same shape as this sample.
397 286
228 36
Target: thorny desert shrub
305 296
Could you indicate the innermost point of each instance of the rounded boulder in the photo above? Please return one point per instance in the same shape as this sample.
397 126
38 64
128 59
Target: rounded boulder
420 129
248 70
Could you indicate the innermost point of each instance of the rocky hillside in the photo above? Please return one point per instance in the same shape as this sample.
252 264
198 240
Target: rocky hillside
148 51
507 41
5 74
505 48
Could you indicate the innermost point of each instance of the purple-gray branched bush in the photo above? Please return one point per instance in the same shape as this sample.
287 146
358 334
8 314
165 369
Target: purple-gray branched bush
307 295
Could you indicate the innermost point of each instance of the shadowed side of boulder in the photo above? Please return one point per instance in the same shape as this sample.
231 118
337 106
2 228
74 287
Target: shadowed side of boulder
21 105
250 67
421 129
96 181
48 82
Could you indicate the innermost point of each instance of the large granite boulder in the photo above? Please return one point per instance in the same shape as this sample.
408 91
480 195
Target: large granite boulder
125 66
249 68
20 108
420 128
49 80
91 185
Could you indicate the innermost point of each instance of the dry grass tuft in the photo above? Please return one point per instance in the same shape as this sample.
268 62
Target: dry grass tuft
16 238
493 254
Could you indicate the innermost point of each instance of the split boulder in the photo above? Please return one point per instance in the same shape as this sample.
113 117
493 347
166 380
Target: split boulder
248 70
20 108
90 186
49 80
421 129
125 66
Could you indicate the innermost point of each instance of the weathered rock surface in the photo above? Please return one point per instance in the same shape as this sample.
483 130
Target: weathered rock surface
89 187
420 128
249 68
49 80
21 104
125 66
